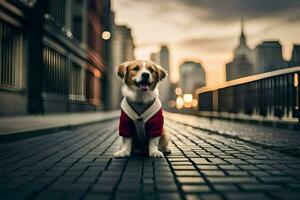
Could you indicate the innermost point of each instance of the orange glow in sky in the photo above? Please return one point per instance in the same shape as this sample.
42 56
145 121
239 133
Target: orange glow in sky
204 31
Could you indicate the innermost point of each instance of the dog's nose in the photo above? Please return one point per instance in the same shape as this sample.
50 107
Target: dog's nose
145 75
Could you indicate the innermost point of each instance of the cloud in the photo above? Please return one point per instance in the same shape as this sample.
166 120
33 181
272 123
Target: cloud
209 44
225 10
231 9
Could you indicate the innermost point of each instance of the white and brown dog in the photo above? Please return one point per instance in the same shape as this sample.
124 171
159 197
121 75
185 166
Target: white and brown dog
141 117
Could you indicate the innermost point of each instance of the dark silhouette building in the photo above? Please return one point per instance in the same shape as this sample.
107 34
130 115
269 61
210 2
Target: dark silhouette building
52 55
162 57
122 48
192 76
242 63
268 57
295 59
265 57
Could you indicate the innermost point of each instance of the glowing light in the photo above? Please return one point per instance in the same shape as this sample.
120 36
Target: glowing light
194 103
97 73
178 91
179 103
188 98
106 35
296 80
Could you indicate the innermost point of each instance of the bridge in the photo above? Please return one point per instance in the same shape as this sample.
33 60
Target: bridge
242 142
269 96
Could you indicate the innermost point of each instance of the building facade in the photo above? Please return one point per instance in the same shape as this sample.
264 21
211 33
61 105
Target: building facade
51 55
122 50
192 76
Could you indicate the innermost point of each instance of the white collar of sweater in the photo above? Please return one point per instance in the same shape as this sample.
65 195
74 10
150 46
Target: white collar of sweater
146 115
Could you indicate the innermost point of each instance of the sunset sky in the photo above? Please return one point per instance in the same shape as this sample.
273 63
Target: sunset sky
207 31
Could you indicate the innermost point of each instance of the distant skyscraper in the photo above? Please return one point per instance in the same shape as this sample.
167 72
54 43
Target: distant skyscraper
122 51
242 64
295 59
154 57
192 76
242 49
268 57
163 58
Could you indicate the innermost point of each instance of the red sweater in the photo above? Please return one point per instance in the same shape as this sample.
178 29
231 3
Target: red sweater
153 127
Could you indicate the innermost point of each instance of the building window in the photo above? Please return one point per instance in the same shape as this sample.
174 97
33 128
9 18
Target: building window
56 9
77 82
93 87
11 60
55 72
89 85
77 18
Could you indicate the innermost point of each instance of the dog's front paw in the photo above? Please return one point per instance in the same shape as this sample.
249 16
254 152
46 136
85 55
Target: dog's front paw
167 151
156 154
122 154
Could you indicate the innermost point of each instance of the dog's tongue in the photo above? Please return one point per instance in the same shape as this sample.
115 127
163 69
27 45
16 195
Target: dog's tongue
144 87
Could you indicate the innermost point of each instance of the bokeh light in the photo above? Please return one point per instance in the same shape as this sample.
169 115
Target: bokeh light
178 91
179 103
106 35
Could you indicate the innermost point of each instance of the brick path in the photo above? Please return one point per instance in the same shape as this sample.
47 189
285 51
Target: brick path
78 164
284 140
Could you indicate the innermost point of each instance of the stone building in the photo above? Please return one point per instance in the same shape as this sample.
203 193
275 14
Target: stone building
52 55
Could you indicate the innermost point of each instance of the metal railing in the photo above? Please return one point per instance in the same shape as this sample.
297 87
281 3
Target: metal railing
271 94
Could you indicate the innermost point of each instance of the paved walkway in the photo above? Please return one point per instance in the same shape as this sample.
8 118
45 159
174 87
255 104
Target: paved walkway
25 124
78 164
280 139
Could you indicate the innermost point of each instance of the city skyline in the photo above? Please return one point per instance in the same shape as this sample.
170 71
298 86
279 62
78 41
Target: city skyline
192 29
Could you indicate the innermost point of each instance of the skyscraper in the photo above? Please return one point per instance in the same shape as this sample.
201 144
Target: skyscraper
163 58
268 57
295 59
192 76
242 63
122 51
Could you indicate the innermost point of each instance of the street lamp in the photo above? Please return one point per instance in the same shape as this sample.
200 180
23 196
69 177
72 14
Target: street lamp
106 35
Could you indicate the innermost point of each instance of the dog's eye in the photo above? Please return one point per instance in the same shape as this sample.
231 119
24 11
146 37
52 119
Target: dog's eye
136 68
151 70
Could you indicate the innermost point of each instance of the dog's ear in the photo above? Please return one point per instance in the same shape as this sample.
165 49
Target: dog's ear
122 68
161 72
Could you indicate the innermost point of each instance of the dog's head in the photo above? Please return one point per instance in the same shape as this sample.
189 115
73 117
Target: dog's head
140 74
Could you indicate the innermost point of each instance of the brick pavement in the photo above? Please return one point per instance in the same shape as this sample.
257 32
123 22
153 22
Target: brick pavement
279 139
78 164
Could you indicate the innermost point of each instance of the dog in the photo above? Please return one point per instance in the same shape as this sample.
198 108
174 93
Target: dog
141 117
